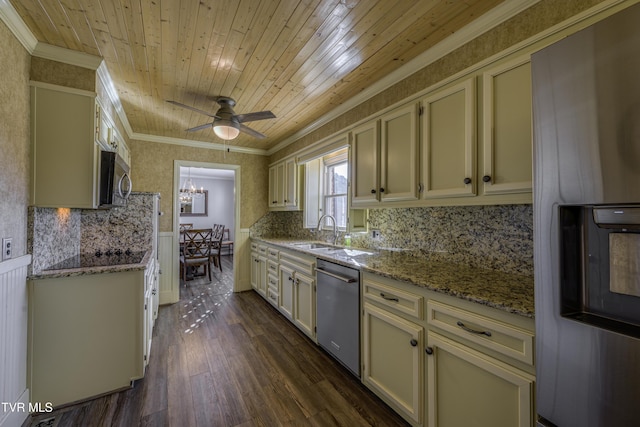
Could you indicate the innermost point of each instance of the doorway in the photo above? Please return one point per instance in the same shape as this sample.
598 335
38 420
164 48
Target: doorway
221 184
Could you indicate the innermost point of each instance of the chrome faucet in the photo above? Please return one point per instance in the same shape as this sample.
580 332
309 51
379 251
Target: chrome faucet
335 227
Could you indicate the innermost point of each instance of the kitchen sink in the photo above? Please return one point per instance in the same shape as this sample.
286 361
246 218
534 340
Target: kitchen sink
312 246
342 252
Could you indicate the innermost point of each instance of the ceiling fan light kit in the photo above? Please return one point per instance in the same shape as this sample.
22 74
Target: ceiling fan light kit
226 123
227 131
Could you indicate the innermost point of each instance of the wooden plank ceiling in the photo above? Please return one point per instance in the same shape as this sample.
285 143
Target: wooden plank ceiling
297 58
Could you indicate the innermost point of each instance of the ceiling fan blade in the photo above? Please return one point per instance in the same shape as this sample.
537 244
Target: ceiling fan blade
258 115
204 126
188 107
253 133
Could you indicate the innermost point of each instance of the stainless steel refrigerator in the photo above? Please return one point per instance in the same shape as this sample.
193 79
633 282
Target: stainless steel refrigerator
586 95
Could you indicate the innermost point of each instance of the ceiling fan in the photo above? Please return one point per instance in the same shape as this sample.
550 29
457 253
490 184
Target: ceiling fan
226 123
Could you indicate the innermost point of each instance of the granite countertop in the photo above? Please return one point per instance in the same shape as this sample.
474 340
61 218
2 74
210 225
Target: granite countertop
73 267
513 293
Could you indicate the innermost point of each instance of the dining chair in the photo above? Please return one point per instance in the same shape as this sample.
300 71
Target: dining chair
216 246
227 242
196 251
184 227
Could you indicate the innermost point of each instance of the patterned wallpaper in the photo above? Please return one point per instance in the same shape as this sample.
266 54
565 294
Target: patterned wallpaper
14 140
152 171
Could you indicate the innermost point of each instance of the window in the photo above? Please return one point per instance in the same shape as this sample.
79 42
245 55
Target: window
326 186
335 178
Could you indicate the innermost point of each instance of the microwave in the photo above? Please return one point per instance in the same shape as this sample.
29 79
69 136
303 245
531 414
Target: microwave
115 183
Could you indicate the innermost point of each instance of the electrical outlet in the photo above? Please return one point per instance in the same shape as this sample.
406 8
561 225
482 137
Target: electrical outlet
7 248
375 234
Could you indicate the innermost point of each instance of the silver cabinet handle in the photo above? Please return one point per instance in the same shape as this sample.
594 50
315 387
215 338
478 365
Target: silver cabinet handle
389 298
335 276
473 331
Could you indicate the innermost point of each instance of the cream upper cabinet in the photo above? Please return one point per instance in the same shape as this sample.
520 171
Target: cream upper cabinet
365 164
276 185
507 128
64 149
291 183
285 186
399 154
384 160
449 142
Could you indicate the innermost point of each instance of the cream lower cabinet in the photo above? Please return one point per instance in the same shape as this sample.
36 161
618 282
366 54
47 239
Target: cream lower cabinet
441 361
393 361
468 388
305 302
479 366
297 290
259 268
286 290
393 345
88 334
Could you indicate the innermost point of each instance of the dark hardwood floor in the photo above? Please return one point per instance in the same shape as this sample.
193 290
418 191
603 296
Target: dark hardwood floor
225 359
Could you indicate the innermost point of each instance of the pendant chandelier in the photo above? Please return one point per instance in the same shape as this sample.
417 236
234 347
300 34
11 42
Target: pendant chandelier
188 189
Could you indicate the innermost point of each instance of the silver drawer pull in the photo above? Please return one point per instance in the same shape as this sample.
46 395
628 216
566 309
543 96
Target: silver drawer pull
336 276
473 331
389 298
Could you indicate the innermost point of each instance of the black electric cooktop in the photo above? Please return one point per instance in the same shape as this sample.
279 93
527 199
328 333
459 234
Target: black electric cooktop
99 259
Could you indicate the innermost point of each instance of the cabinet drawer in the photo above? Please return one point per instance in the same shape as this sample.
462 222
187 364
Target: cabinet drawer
486 332
405 302
299 263
272 267
262 250
254 247
272 296
272 281
273 253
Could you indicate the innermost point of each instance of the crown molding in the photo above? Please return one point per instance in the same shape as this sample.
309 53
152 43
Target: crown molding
17 26
67 56
197 144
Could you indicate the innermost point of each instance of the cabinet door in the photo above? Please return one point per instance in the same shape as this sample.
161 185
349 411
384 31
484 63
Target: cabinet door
304 304
286 290
255 271
262 275
62 132
365 164
467 388
276 185
393 360
399 155
449 143
507 128
312 193
290 183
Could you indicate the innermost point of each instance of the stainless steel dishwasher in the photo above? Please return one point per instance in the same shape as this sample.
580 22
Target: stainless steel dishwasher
338 313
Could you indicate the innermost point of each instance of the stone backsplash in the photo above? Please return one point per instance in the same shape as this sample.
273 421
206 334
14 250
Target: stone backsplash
55 234
491 237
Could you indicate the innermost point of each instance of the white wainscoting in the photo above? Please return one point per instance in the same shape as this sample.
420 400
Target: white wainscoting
14 308
242 253
169 281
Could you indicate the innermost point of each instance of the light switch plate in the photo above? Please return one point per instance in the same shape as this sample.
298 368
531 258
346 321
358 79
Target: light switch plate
7 248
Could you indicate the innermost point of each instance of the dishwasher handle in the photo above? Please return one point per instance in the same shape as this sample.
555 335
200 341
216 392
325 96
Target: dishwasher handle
336 276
